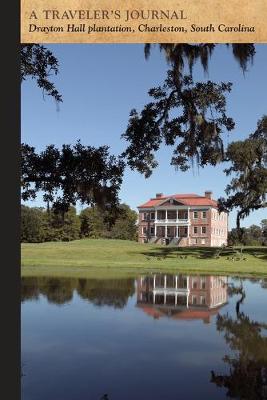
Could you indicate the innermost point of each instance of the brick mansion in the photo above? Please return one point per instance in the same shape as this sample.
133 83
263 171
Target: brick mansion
182 220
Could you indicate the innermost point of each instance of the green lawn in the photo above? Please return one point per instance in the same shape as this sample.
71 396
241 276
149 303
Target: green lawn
105 258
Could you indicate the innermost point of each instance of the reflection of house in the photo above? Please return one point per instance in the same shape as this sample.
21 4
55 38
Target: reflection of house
181 296
183 220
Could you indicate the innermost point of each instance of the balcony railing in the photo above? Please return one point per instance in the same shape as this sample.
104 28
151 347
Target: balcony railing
174 220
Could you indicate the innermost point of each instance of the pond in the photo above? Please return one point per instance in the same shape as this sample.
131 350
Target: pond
153 337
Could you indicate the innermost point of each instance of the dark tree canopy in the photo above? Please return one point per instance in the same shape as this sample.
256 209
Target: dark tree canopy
190 117
181 54
248 188
74 173
37 62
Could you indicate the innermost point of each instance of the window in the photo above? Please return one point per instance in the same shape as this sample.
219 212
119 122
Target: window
204 214
194 283
203 229
152 215
202 300
203 283
193 241
152 230
203 241
195 214
144 230
194 299
195 229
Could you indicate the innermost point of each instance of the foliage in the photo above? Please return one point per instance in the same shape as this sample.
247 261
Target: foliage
112 223
180 54
92 222
125 225
191 117
248 188
32 224
37 62
38 225
251 236
74 173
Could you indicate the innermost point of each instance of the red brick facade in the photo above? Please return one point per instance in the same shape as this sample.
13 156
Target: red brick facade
182 220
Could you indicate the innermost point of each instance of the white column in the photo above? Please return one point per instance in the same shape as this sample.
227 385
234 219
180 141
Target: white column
187 297
166 215
176 283
164 298
154 282
165 281
156 215
154 298
177 231
176 299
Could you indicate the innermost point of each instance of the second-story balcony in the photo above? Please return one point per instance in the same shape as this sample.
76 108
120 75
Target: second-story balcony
171 217
171 221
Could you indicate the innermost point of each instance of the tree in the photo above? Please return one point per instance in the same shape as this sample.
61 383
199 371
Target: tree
63 226
92 223
37 62
248 162
125 225
74 173
32 220
188 116
86 174
264 228
39 225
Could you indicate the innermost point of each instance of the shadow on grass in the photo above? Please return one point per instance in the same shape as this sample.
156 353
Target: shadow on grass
203 252
257 252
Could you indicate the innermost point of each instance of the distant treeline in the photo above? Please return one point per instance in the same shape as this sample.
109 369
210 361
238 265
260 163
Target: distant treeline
41 225
252 236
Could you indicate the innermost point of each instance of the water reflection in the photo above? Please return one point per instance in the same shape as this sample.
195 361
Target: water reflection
105 352
247 341
181 296
105 292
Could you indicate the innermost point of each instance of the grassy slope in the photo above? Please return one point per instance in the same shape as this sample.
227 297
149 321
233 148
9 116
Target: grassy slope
92 257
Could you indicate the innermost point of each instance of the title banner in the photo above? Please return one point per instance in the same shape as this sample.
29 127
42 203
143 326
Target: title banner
157 21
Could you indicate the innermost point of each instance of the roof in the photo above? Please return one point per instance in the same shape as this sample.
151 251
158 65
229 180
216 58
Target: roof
185 199
187 314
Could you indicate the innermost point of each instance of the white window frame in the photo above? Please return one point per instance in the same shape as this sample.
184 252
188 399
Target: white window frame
195 228
204 213
195 212
204 228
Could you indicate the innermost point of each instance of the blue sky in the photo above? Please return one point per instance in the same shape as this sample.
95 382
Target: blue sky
101 83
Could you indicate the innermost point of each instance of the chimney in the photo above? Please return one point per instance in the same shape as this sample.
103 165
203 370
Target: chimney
159 195
208 194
